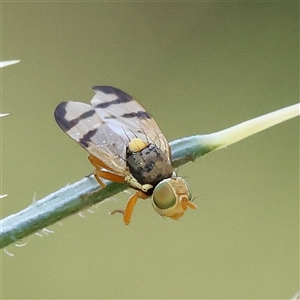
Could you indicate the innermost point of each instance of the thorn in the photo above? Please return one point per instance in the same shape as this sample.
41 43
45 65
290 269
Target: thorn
21 245
81 215
47 231
33 198
8 63
8 253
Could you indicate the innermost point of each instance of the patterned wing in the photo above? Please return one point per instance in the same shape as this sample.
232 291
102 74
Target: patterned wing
127 117
81 122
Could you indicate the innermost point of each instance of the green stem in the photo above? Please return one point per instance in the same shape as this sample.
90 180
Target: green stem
85 193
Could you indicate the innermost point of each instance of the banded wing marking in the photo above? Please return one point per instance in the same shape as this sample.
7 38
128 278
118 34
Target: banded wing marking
127 117
81 122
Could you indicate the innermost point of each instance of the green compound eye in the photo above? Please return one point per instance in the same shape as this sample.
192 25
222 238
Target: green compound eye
163 195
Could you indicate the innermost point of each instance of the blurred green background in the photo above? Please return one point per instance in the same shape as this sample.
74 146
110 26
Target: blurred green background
197 68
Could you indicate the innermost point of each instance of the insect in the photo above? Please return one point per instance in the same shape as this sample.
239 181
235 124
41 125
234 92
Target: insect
126 145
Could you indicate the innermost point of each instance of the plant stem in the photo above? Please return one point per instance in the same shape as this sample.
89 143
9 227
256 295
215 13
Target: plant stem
86 192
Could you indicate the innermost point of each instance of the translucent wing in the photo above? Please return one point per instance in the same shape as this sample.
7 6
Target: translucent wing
81 122
127 117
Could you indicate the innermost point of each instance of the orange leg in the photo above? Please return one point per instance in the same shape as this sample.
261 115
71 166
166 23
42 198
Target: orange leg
109 176
127 213
103 185
98 164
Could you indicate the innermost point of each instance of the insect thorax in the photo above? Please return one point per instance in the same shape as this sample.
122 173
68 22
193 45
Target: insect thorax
149 165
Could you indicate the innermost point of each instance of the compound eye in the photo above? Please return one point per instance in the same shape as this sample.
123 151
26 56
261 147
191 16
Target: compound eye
163 196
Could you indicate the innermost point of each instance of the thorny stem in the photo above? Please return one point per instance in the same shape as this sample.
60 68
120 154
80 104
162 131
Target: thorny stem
86 192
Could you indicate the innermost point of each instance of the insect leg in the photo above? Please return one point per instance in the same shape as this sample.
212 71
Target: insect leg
127 213
98 164
103 185
130 206
107 175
